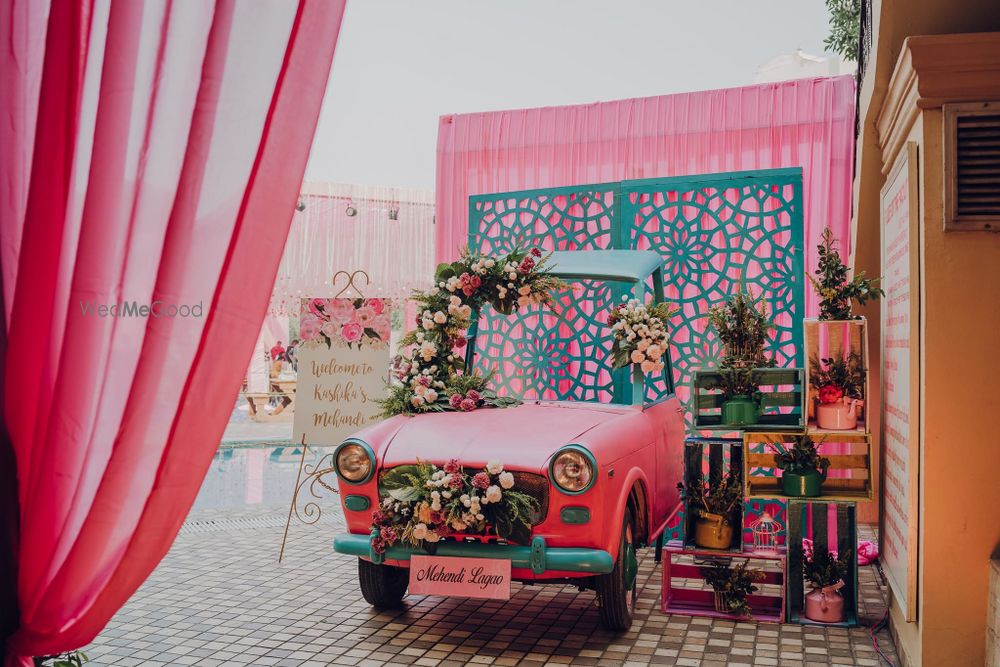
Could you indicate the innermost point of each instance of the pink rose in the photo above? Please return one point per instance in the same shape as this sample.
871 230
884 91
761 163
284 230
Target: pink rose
473 395
340 310
459 342
377 305
352 332
536 252
455 401
378 545
424 380
318 307
467 405
328 329
456 481
527 264
452 466
481 480
378 518
364 316
309 326
388 533
830 393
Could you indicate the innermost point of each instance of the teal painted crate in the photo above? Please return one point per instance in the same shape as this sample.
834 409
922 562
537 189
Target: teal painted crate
711 459
807 517
782 401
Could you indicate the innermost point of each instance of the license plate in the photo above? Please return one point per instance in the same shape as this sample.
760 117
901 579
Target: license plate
484 578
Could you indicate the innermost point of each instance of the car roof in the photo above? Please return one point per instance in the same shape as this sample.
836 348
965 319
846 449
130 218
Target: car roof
632 266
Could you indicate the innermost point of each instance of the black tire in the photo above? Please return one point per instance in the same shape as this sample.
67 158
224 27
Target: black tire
615 601
383 586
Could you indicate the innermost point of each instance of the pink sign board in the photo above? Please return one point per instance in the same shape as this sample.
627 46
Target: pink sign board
485 578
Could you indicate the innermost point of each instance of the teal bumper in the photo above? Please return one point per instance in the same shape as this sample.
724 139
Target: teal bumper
537 557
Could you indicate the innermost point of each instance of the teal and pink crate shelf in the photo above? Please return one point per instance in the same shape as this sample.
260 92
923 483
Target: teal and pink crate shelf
685 591
832 526
782 401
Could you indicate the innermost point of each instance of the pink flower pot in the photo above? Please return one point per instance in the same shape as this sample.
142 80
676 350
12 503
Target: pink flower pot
825 605
840 416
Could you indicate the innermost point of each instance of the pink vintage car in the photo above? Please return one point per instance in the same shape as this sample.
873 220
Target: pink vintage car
604 474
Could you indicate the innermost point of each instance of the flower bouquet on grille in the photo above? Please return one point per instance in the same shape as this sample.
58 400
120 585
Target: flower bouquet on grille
421 504
639 334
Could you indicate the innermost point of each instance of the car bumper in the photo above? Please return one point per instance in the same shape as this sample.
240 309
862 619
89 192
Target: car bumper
537 557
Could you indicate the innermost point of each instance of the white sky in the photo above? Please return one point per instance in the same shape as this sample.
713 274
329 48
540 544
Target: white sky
400 64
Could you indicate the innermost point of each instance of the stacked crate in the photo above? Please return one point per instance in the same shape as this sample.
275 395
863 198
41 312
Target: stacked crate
829 520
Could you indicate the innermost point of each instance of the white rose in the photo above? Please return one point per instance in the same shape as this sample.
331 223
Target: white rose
506 480
480 516
431 396
490 264
524 290
446 494
417 401
420 531
493 494
435 495
494 467
440 318
648 366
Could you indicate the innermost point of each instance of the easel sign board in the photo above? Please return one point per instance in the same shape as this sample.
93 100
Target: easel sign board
900 344
343 367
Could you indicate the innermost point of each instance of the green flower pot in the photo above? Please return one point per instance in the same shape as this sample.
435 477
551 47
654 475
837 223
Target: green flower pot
739 411
802 485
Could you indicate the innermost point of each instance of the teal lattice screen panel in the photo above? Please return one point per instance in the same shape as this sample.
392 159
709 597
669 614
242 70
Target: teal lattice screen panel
714 232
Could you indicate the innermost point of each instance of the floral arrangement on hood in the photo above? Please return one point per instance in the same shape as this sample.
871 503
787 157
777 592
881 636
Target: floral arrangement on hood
639 334
345 322
422 503
430 374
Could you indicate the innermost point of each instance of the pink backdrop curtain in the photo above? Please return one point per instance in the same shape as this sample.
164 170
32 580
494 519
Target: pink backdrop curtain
171 140
807 123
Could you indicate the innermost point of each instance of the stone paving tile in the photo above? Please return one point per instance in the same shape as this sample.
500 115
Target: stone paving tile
221 598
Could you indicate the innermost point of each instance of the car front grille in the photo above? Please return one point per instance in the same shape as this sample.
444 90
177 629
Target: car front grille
535 485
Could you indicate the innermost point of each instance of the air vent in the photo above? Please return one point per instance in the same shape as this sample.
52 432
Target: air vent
972 166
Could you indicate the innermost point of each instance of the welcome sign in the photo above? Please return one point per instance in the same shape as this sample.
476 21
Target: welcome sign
484 578
343 367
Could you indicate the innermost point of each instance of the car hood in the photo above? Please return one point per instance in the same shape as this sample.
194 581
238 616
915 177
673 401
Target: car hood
522 437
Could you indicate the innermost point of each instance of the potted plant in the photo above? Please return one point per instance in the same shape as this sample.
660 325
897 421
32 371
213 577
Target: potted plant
713 504
839 383
835 291
803 470
732 585
743 327
825 573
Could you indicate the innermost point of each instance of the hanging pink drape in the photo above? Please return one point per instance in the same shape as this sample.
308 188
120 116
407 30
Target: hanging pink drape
171 140
807 123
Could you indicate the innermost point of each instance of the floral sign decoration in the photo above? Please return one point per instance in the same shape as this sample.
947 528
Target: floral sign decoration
347 323
430 374
424 503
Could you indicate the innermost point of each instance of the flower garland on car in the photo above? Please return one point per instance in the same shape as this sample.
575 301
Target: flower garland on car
430 374
424 503
639 334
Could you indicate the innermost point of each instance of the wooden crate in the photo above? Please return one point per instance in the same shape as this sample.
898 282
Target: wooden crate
711 459
810 519
848 480
835 338
782 406
684 590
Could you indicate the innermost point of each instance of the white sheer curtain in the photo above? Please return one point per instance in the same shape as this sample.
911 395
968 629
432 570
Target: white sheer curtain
390 237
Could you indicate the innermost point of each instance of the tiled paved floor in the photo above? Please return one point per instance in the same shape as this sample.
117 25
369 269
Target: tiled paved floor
221 598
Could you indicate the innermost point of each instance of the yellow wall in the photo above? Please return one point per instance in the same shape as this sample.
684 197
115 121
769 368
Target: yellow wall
960 331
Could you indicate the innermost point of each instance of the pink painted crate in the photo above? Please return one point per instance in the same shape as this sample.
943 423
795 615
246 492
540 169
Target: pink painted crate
685 592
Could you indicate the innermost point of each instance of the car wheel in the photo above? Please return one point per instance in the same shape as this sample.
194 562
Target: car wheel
617 590
383 586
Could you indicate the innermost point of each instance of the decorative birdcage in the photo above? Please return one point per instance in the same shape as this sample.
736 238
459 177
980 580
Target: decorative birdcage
765 534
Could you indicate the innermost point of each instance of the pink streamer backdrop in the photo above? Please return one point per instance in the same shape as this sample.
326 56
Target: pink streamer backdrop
171 141
807 123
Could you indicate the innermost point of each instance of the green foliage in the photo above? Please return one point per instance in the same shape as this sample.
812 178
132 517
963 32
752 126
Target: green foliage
846 374
836 292
743 326
801 458
845 28
720 498
825 569
734 583
738 382
69 659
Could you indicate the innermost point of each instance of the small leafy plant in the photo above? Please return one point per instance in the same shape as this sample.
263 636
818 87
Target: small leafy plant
735 584
836 292
801 458
836 378
738 382
721 497
743 327
68 659
825 569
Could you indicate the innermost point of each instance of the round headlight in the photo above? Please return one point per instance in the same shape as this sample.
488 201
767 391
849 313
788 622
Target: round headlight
572 470
353 462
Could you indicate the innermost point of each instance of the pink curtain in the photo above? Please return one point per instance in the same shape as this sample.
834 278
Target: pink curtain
171 140
807 123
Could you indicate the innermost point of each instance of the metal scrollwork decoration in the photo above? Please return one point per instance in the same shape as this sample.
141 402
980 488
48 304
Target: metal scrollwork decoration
310 476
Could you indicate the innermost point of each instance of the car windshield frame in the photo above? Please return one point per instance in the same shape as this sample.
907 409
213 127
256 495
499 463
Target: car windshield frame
632 268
